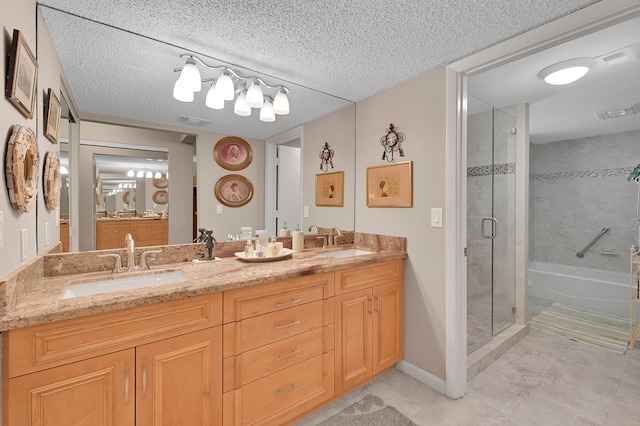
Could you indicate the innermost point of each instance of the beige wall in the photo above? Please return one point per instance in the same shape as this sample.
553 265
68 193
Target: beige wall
22 15
416 108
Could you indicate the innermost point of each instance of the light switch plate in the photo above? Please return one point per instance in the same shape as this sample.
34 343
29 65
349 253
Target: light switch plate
24 253
218 208
47 234
305 211
436 217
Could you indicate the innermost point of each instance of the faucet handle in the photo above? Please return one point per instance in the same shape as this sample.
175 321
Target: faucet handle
118 264
143 258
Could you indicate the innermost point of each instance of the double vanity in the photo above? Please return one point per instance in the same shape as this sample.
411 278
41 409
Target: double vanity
189 342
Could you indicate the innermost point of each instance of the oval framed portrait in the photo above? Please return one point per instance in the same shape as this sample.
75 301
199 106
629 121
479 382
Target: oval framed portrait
233 190
161 182
232 153
160 197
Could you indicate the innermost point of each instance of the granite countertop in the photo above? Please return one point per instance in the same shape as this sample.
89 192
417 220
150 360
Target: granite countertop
42 302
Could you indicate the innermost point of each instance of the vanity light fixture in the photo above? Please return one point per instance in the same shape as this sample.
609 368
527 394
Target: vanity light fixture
226 85
131 173
567 71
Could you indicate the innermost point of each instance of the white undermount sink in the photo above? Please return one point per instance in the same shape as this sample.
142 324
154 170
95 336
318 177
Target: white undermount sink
125 283
347 253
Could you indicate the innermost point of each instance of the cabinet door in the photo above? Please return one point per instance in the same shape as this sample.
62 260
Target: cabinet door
353 339
387 326
179 380
95 392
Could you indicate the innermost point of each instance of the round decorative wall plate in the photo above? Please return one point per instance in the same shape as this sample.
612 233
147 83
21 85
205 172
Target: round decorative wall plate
22 168
52 180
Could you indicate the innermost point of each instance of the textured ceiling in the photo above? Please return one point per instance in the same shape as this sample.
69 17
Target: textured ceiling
119 56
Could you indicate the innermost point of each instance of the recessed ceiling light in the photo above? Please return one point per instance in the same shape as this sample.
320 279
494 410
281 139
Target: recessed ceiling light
566 72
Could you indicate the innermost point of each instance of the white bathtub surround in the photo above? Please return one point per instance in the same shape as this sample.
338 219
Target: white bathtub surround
597 290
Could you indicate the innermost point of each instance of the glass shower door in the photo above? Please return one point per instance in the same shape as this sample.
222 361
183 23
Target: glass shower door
490 222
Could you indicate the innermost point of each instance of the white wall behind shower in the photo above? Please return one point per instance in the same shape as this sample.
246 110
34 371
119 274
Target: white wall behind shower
578 187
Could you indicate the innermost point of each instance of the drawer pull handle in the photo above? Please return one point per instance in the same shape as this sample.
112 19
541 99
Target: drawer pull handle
285 356
290 302
371 308
126 384
292 323
144 379
289 389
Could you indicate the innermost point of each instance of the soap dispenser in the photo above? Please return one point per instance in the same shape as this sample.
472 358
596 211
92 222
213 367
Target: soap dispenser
130 248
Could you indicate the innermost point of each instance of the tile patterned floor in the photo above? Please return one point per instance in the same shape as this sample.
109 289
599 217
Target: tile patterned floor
543 380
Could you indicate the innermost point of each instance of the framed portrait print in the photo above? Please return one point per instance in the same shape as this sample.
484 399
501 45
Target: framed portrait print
330 189
232 153
52 117
160 197
160 183
390 185
233 190
23 73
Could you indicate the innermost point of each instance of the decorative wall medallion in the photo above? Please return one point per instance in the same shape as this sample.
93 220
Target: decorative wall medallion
392 142
22 168
52 180
326 157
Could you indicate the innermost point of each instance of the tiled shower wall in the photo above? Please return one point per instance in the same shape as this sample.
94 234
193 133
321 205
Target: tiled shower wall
578 187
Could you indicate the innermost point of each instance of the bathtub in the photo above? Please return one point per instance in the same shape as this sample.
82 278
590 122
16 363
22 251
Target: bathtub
594 289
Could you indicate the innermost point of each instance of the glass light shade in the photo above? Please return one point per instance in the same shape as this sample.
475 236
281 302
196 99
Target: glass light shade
190 76
224 87
241 108
130 173
158 175
140 173
566 72
64 170
149 174
266 112
213 100
281 103
181 92
255 97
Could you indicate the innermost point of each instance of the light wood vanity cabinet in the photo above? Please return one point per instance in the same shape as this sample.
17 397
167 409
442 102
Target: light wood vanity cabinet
368 310
278 350
110 234
154 364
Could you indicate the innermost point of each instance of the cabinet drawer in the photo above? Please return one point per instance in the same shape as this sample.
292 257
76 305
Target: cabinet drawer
257 300
43 346
368 276
257 363
283 395
259 331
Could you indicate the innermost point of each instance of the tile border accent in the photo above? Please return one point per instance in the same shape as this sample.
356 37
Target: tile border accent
622 171
496 169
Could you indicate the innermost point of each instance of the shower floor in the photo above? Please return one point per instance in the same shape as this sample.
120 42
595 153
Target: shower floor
481 320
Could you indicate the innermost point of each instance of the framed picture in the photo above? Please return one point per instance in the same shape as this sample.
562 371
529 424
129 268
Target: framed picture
390 185
330 189
161 182
232 153
52 117
234 190
23 73
160 197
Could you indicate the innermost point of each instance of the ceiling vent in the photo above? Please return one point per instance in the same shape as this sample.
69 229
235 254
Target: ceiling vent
621 56
193 120
619 112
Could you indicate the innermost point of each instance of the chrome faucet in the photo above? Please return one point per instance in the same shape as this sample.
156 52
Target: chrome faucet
144 264
118 265
324 240
312 227
333 240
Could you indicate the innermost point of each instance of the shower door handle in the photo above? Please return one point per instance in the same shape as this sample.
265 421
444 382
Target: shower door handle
494 227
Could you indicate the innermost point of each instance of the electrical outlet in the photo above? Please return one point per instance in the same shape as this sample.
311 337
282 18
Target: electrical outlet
1 229
24 253
47 234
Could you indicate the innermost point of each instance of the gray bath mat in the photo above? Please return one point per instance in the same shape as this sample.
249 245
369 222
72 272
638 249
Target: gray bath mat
369 411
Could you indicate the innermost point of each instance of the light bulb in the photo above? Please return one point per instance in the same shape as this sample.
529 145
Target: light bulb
241 108
281 103
181 92
213 100
190 76
255 97
224 87
266 112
